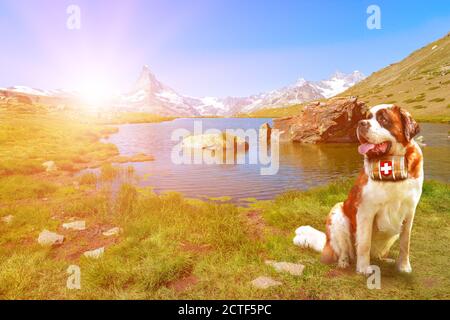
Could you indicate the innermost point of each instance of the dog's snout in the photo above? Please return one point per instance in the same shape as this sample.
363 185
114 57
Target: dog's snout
364 124
363 129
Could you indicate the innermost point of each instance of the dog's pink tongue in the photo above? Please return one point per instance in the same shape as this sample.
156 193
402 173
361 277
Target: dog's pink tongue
365 147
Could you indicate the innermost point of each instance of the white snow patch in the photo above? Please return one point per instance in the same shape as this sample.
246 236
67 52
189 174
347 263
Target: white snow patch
170 96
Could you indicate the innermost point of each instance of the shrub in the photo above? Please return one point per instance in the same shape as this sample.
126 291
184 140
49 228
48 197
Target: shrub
437 100
88 179
108 172
126 198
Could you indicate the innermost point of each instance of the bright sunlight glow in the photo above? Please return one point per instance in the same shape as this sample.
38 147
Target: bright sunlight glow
95 94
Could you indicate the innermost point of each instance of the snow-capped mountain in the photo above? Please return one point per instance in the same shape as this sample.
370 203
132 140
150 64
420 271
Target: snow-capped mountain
339 82
303 91
150 95
39 93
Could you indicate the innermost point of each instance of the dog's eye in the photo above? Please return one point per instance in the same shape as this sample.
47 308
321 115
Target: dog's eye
382 119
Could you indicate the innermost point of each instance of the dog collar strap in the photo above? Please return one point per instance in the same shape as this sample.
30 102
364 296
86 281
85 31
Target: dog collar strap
388 169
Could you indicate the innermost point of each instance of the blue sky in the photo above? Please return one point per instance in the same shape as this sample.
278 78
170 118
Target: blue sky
207 47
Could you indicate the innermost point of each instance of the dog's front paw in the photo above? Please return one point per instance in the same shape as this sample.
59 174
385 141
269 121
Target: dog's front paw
364 270
404 267
343 263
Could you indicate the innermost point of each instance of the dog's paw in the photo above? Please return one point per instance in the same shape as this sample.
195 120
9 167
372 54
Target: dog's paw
343 263
404 267
364 270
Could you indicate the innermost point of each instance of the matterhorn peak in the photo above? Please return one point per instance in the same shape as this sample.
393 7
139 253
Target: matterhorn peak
146 72
147 81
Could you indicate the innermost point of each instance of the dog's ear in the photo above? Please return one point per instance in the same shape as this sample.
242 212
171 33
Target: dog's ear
410 126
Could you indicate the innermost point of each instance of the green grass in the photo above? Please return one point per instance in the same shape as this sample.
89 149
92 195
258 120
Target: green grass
167 238
134 117
437 100
274 112
88 179
27 141
20 187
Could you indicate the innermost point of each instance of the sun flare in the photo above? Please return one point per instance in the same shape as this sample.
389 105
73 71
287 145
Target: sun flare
95 94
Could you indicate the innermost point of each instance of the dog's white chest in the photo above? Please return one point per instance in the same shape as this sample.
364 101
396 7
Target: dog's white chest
390 217
392 200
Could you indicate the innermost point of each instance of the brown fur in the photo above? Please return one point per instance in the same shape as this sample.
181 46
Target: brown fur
328 255
350 209
396 127
413 160
399 123
354 198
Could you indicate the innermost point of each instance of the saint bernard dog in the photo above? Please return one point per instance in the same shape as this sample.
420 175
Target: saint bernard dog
377 211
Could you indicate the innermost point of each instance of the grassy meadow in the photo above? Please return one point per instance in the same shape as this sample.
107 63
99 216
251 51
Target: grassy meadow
171 247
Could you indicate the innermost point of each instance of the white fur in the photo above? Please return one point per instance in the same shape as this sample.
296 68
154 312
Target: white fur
340 236
308 237
385 214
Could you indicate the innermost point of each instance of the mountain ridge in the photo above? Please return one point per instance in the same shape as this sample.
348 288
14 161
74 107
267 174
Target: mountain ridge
150 95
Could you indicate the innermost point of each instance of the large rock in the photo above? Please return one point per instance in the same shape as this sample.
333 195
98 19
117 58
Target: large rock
265 133
215 142
320 122
48 238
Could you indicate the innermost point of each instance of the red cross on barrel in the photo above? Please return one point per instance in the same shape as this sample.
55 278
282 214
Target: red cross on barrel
386 167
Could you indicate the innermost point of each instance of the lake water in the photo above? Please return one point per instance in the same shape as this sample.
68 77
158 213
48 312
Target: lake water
301 166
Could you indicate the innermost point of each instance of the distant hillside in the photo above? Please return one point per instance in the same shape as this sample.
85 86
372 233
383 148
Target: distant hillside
420 83
274 112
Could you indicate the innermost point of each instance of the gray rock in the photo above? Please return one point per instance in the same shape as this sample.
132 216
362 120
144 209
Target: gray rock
8 219
48 238
265 283
95 254
49 166
265 133
294 269
112 232
75 225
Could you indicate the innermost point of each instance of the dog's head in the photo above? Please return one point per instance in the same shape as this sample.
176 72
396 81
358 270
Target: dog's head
387 131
